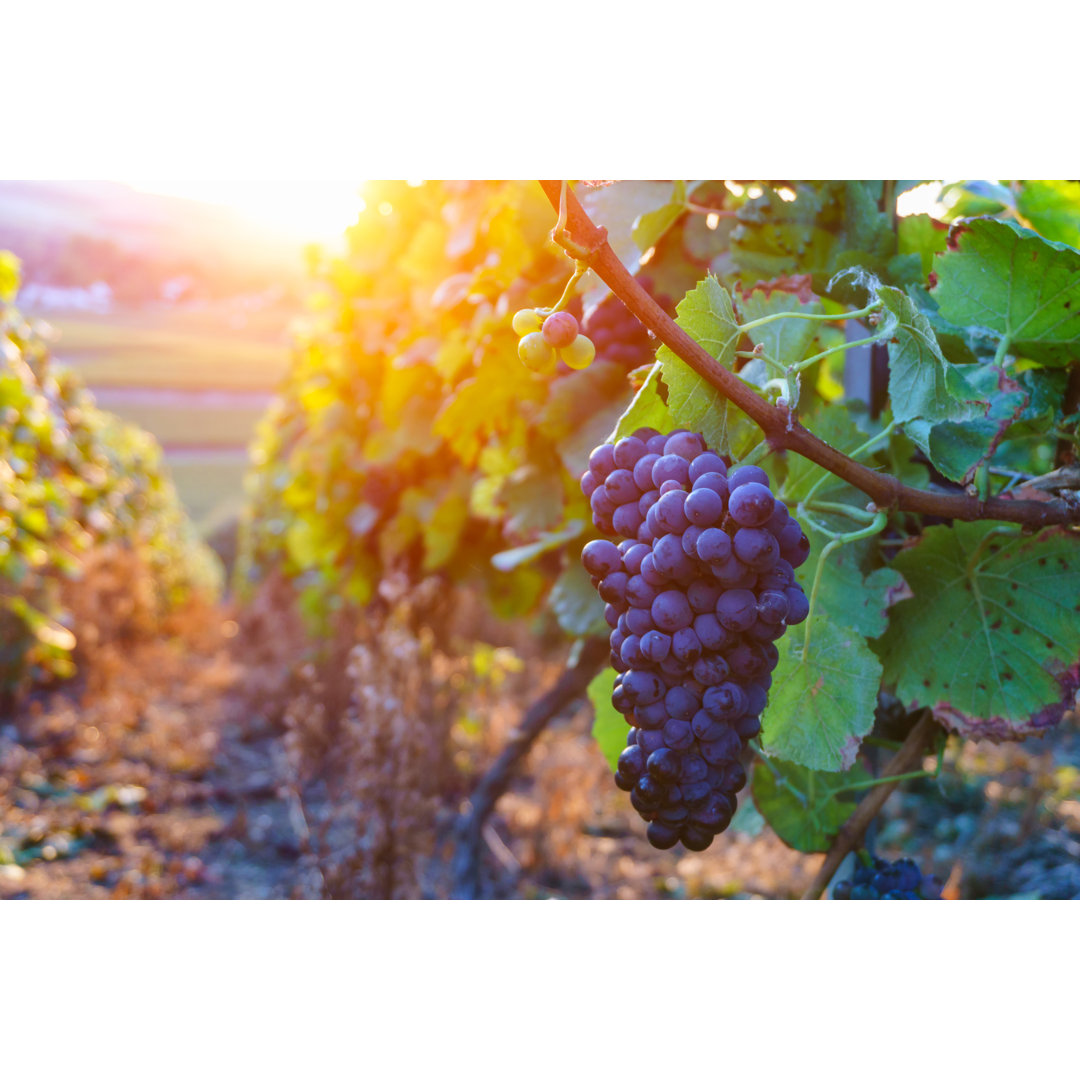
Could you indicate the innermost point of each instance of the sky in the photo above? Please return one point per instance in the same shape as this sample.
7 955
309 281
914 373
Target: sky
307 210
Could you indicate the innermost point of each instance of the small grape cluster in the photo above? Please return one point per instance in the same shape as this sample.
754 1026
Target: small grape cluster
881 880
697 592
546 341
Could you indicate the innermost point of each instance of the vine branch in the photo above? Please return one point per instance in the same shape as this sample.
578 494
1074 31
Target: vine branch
850 836
781 429
469 830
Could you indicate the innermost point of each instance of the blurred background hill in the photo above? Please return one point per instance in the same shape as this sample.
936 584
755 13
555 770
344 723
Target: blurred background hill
176 312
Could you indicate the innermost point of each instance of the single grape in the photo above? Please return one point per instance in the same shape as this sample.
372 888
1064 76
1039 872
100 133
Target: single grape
536 354
600 558
751 504
579 354
628 452
559 329
747 474
671 611
526 321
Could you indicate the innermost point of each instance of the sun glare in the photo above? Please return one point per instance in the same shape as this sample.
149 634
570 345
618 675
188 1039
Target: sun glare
303 210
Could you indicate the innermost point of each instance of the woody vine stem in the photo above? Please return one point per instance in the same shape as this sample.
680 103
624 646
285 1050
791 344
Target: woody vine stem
586 243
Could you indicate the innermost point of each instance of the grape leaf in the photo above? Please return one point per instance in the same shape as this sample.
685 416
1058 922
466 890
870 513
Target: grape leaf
651 226
819 710
648 409
785 340
801 805
519 556
609 726
993 625
707 315
617 207
1009 279
1052 207
845 595
922 235
832 424
919 375
578 608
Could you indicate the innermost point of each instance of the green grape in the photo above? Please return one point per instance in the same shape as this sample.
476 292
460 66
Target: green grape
536 354
579 353
526 321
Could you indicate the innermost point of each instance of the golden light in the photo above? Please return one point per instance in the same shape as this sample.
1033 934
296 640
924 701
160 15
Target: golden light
307 210
712 220
735 189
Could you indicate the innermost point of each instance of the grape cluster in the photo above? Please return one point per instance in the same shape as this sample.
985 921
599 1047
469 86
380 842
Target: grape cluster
697 592
618 335
546 341
881 880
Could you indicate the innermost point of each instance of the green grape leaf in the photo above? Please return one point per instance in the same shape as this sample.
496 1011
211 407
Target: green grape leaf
1052 208
802 806
819 711
609 725
650 227
618 207
920 381
992 629
1009 279
786 340
832 424
577 606
845 595
648 409
512 558
922 235
533 497
707 315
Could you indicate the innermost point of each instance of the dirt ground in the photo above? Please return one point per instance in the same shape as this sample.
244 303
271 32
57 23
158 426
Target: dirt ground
158 776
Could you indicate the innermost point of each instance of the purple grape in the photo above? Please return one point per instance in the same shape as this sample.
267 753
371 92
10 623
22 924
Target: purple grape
798 605
746 662
655 444
703 507
686 646
747 474
632 762
664 765
650 573
695 838
737 609
714 546
734 575
643 471
621 488
680 703
670 512
725 702
756 548
670 485
713 482
748 727
600 558
756 697
647 502
670 467
643 687
724 748
662 836
589 483
650 741
613 587
703 595
655 646
602 460
678 734
638 619
685 444
772 606
639 593
751 505
669 557
630 651
628 452
708 462
671 611
651 717
694 769
601 503
626 520
711 670
689 540
632 557
711 634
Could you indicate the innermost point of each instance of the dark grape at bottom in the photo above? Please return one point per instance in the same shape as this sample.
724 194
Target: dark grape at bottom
881 880
698 581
